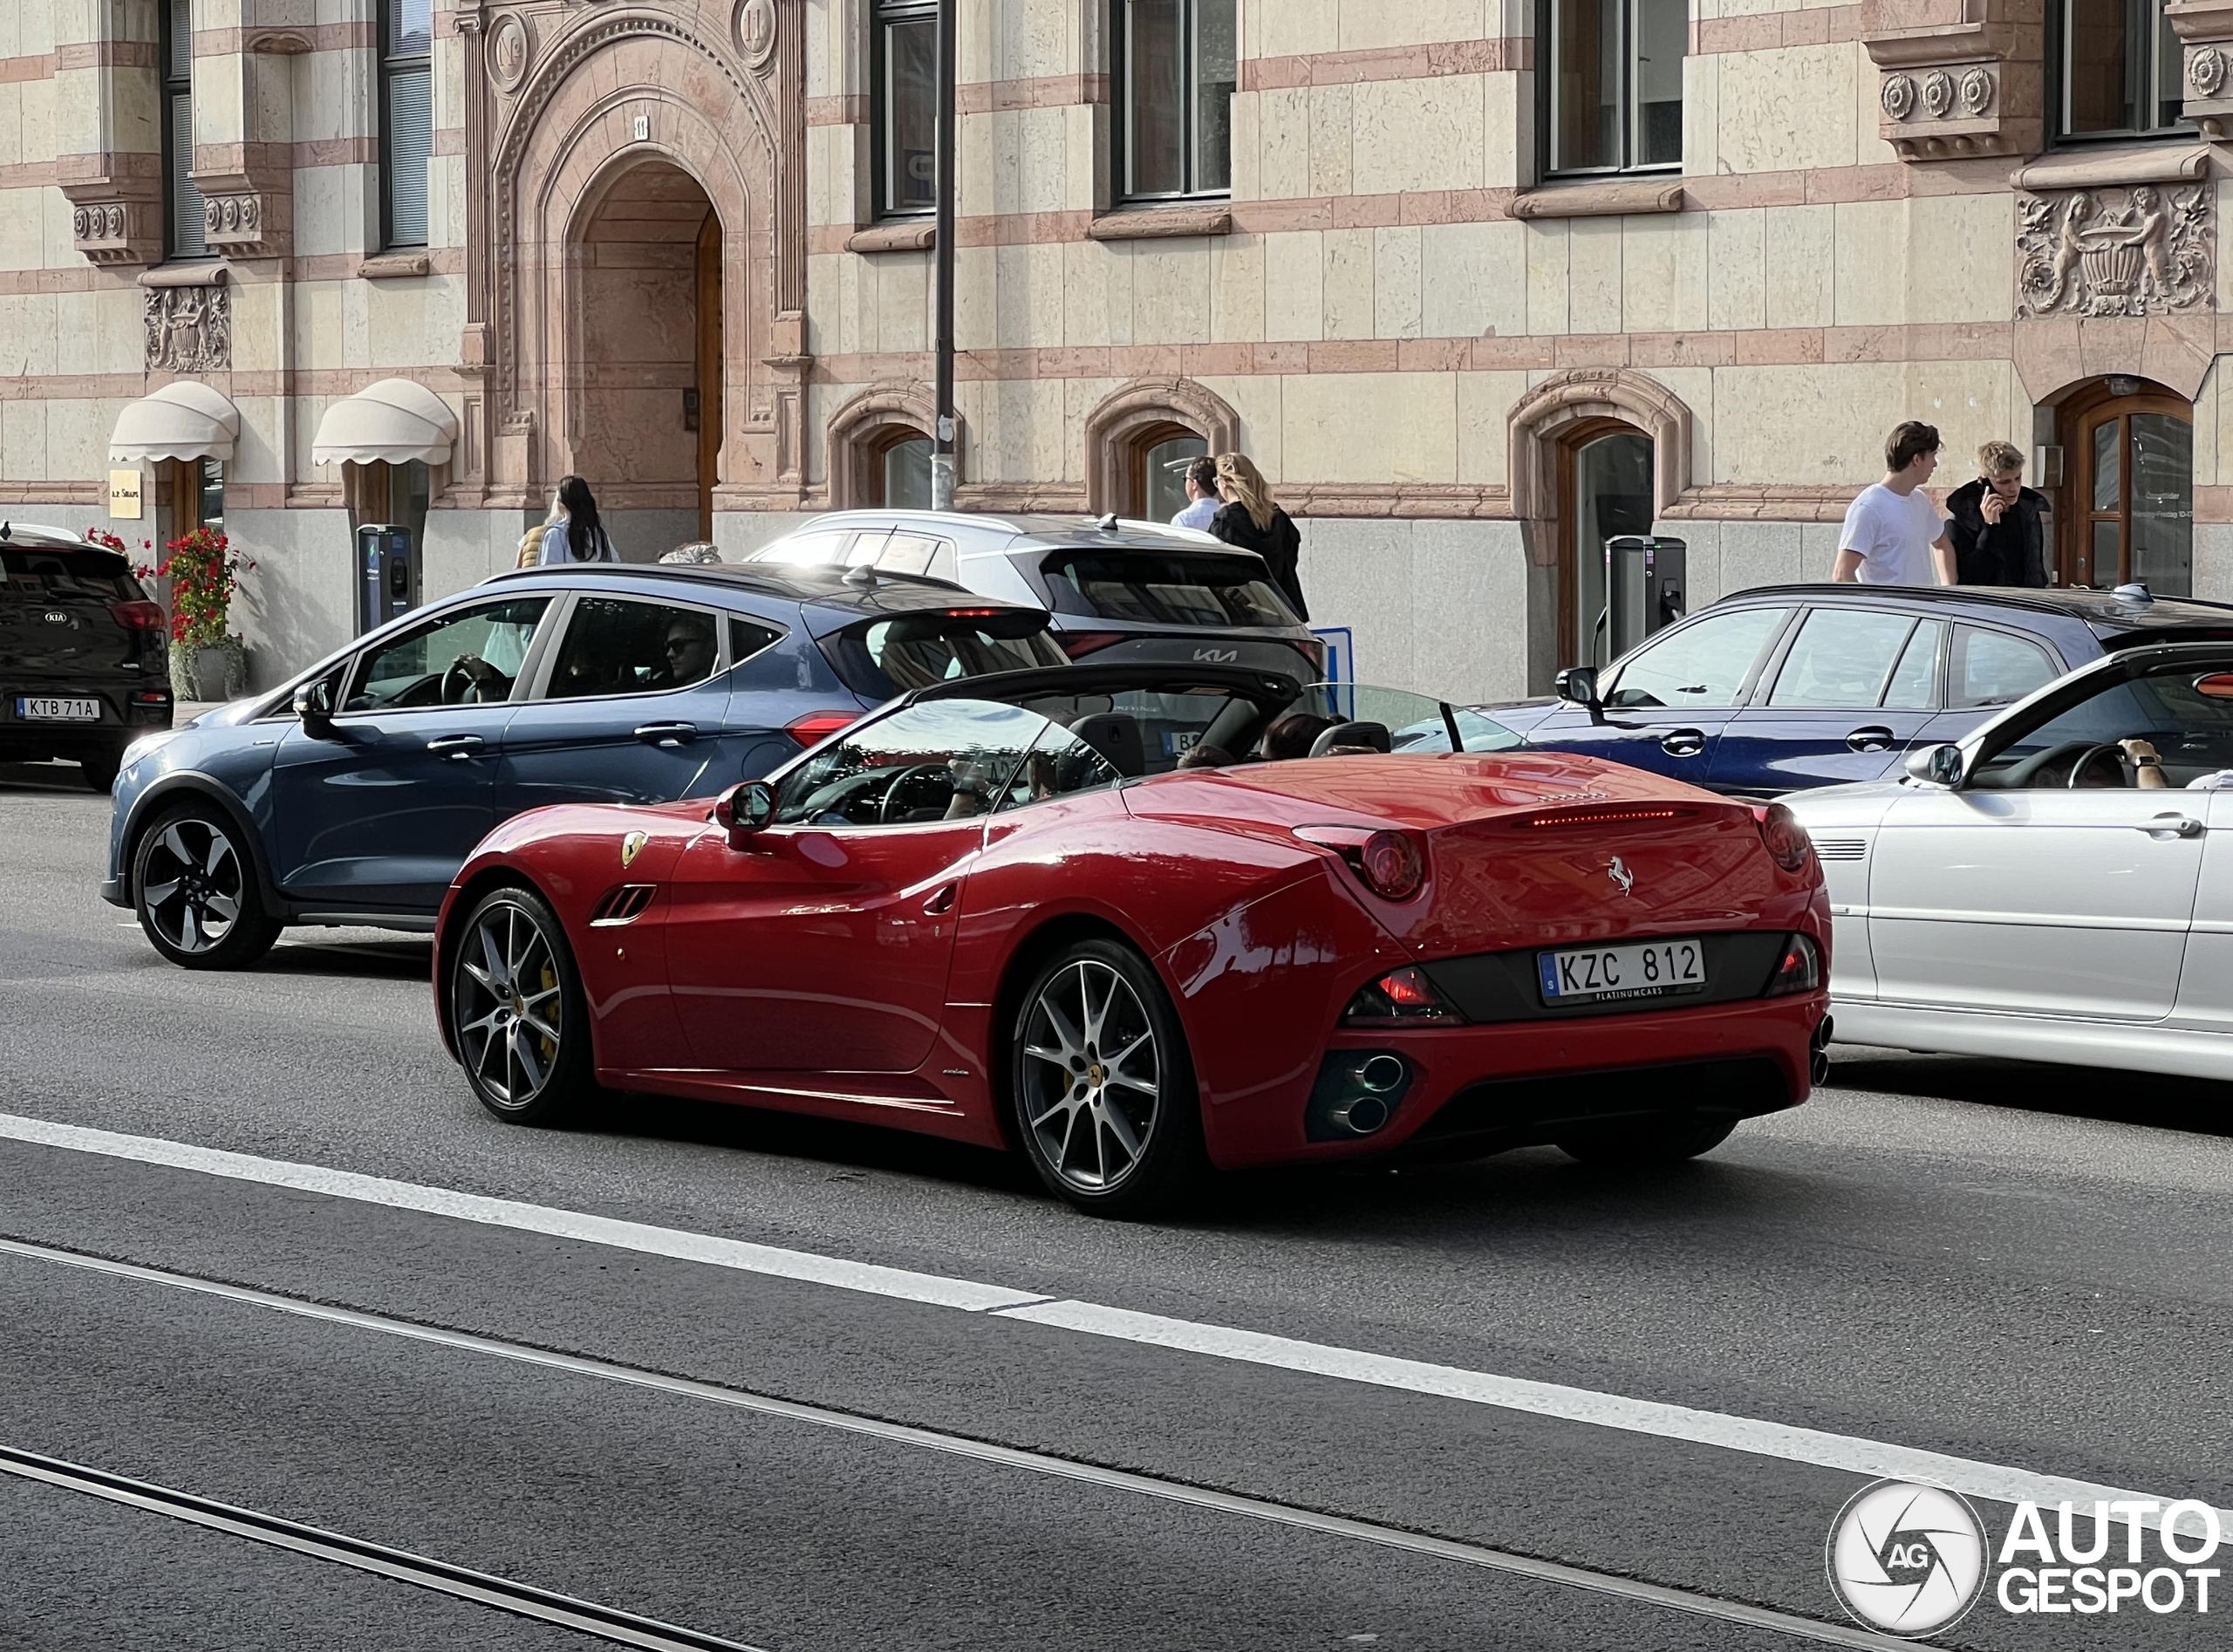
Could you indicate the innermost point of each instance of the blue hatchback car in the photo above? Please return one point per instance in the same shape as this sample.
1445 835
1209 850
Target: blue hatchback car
352 793
1790 686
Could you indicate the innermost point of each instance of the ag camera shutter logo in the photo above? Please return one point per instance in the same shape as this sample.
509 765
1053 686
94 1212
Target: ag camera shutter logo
1908 1560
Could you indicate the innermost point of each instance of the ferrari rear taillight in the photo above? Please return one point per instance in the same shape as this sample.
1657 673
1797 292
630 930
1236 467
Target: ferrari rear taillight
1786 839
137 615
818 726
1390 864
1799 969
1078 643
1401 998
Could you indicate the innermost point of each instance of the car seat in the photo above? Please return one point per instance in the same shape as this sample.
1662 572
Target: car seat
1116 735
1344 738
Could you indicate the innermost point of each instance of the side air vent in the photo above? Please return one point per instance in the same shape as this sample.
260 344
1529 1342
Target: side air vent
622 904
1840 848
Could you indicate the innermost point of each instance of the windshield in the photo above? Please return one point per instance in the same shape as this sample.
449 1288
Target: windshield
1414 722
1166 588
879 658
43 575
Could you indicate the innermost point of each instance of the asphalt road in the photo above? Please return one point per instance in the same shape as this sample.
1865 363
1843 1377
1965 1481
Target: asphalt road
2019 1266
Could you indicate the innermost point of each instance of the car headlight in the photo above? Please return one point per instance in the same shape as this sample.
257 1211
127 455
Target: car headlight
146 746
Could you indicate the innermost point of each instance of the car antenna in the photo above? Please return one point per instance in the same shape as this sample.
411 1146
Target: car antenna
861 574
1107 524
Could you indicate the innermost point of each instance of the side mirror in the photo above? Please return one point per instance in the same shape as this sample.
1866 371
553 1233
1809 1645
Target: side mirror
310 707
1578 684
1936 766
745 808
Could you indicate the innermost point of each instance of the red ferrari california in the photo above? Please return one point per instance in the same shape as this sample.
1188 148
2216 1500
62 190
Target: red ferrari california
1052 911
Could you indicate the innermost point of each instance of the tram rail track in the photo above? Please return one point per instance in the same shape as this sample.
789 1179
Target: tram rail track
617 1625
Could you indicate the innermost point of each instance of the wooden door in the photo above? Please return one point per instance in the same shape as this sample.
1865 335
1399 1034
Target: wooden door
2130 503
709 369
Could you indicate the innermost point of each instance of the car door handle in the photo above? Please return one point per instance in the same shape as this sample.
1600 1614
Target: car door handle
1870 740
942 902
667 734
456 748
1683 743
2172 826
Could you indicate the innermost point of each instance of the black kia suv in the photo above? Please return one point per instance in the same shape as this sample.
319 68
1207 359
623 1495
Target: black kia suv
84 655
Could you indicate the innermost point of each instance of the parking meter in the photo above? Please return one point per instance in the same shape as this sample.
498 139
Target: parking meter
387 574
1646 587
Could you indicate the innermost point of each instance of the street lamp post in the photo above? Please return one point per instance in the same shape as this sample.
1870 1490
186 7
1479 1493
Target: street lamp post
942 477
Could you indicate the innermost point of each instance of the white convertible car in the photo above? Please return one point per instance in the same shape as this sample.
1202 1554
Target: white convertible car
2058 886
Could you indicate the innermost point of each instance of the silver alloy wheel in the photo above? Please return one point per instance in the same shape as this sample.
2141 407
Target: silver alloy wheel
508 1005
190 886
1092 1076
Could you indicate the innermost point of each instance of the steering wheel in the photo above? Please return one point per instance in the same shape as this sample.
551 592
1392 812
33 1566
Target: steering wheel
2086 760
470 673
899 784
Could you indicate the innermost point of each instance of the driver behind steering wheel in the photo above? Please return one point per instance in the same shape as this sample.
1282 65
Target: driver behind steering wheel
481 675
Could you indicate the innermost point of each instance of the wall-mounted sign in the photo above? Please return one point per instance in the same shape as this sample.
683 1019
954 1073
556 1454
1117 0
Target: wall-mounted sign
124 495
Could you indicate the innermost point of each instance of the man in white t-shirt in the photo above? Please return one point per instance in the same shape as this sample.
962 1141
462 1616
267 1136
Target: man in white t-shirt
1893 534
1201 496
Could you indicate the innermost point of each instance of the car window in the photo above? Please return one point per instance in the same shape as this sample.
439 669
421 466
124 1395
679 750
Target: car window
1151 732
1840 658
1166 588
1992 668
621 645
1915 679
1060 762
468 659
944 760
882 658
43 575
804 551
1414 721
1702 667
2185 713
906 553
748 638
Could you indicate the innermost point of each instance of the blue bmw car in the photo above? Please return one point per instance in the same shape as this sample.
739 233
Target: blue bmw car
352 793
1786 687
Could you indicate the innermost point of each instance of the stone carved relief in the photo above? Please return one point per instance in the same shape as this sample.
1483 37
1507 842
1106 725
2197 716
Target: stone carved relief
1937 95
2139 251
117 231
509 52
2206 71
1976 92
1942 112
189 328
1899 96
755 32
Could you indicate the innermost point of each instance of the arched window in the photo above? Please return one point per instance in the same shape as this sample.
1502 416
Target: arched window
1141 436
879 449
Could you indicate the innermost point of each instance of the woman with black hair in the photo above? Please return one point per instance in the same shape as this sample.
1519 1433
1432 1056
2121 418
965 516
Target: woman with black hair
575 534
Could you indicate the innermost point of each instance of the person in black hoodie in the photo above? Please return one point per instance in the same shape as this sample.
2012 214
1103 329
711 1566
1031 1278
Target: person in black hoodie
1250 520
1998 538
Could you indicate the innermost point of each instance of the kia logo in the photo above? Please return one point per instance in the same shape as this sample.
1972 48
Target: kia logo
56 617
1216 656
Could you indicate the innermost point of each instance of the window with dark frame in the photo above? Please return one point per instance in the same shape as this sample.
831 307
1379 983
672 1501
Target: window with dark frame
1613 85
1175 62
182 225
2119 71
903 65
407 118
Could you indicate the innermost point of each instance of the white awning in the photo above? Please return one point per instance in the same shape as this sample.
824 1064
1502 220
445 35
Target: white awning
184 421
394 420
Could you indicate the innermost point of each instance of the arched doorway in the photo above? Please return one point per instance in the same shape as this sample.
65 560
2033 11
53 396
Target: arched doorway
1605 490
2128 504
646 408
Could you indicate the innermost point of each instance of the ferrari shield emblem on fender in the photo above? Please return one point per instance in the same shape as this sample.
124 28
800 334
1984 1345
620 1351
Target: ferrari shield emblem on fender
631 846
1617 870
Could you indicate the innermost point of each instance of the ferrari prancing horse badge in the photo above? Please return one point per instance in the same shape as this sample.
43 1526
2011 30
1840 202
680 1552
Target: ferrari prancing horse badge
631 846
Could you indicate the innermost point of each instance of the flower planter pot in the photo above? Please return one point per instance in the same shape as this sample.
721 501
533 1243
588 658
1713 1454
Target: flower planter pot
209 671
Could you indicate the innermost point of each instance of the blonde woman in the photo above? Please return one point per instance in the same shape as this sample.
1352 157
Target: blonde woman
1250 520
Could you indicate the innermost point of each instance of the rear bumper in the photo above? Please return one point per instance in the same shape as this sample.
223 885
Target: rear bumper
113 891
1485 1089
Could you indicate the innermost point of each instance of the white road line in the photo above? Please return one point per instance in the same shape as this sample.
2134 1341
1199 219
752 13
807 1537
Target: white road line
1201 1496
1816 1448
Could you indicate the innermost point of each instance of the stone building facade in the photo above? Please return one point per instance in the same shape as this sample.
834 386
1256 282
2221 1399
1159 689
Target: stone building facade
1475 282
